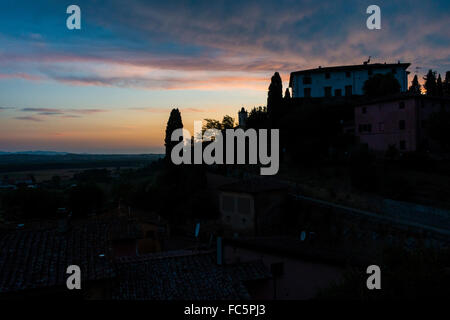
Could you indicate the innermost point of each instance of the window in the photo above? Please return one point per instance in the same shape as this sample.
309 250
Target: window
347 74
327 75
338 92
364 110
327 91
307 92
401 105
401 125
307 80
348 91
402 144
381 126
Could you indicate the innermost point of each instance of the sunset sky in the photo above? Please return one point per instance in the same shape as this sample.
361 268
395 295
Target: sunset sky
109 87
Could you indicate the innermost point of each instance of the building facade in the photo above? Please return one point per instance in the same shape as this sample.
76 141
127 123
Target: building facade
251 207
399 121
342 80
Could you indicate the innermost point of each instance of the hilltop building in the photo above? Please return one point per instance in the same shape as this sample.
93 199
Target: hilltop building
342 80
399 121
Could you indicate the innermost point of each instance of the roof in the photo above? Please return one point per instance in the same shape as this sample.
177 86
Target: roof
349 68
39 257
184 275
254 185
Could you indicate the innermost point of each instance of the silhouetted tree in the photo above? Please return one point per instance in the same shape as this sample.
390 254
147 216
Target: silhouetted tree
415 86
287 94
227 122
275 97
430 83
439 87
212 124
257 118
381 85
173 123
446 84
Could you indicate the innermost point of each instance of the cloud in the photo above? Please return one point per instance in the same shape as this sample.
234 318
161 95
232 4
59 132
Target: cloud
177 45
24 76
66 113
29 118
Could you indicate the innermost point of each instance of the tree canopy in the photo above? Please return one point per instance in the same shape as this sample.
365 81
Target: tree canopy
415 86
381 85
173 123
275 97
430 83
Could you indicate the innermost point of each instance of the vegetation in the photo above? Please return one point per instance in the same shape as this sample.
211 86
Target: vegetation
227 123
275 98
430 83
381 85
258 118
415 86
173 123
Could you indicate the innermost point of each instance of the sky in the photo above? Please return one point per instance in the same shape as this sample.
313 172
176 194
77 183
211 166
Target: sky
109 87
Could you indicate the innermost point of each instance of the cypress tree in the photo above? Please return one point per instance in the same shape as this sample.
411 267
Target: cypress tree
439 87
430 83
287 94
173 123
446 84
415 86
274 97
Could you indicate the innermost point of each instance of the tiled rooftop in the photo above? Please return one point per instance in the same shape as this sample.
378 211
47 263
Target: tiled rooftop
183 275
38 258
